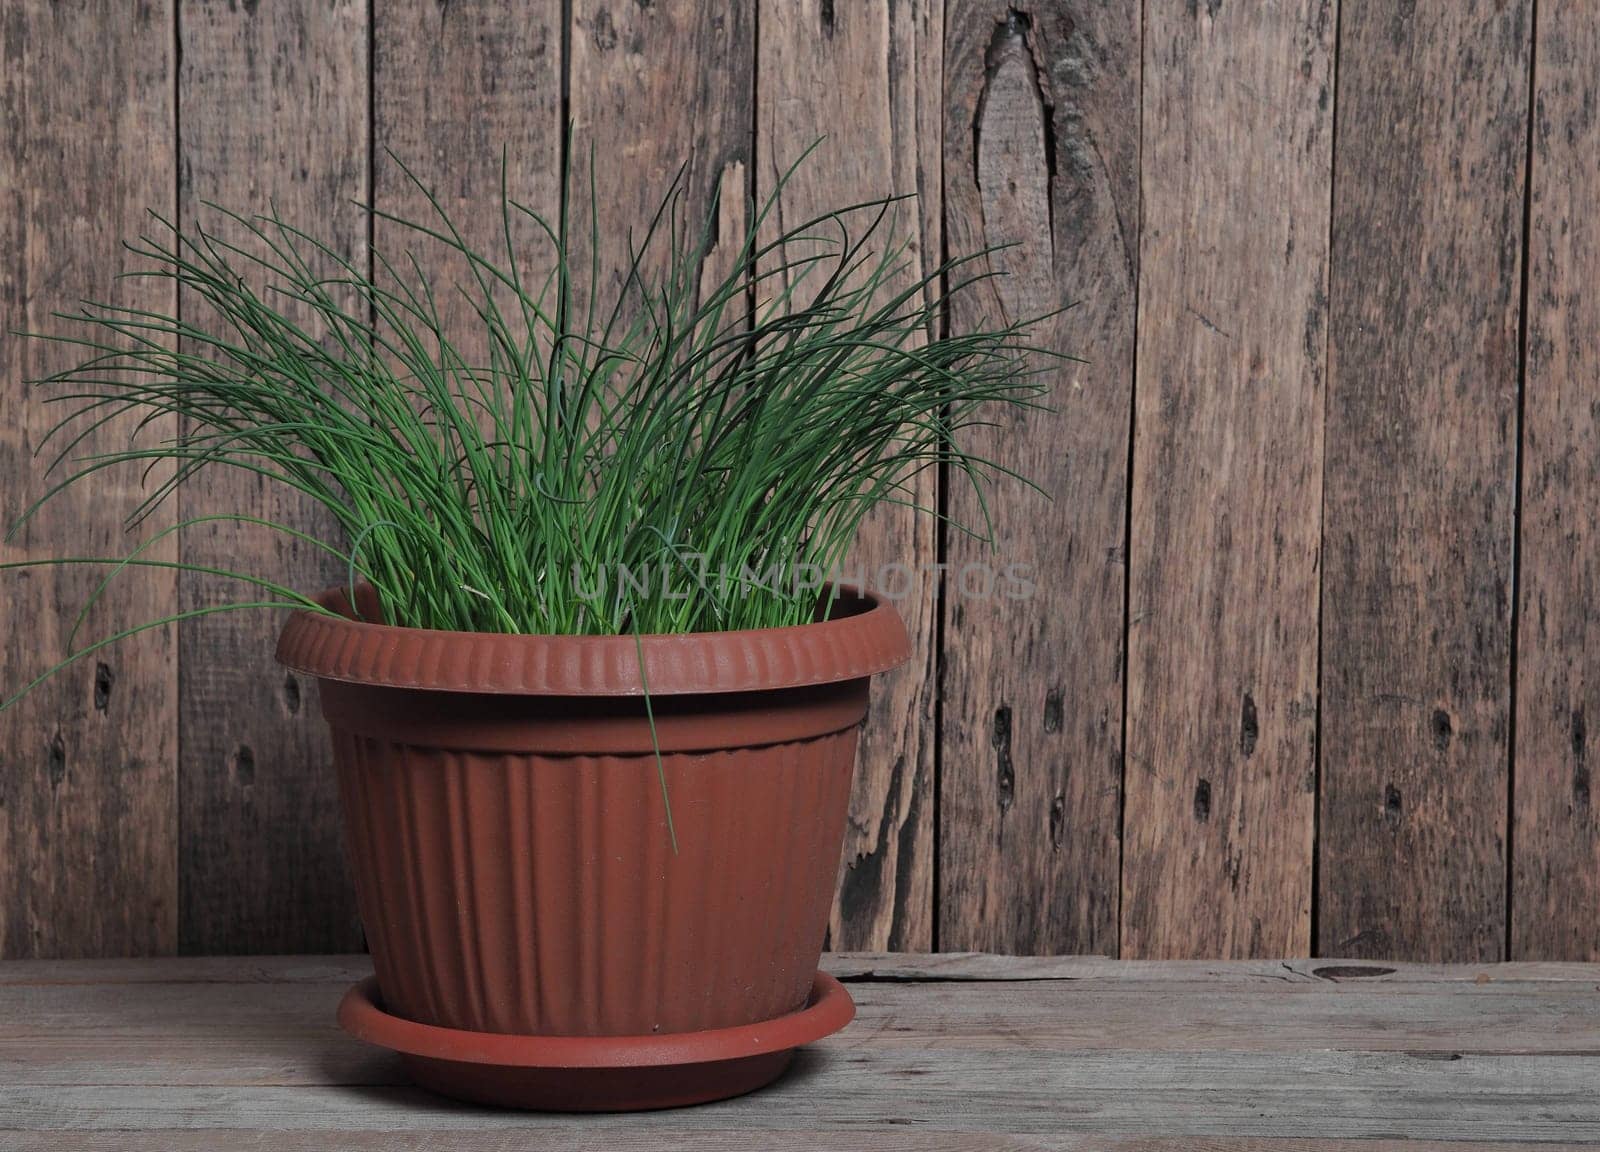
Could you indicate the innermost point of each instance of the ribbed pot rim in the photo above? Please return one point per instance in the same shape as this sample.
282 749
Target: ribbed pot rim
865 637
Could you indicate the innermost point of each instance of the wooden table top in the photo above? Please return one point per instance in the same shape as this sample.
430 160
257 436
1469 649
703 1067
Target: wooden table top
947 1052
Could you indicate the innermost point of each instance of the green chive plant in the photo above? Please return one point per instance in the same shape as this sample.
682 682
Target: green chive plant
725 438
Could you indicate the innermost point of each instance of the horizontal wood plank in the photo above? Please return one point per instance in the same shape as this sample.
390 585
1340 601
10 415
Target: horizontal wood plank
284 1035
578 1139
963 1052
1263 1095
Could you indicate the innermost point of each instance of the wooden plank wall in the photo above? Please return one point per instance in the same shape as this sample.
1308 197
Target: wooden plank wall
1222 607
1030 782
1420 511
270 99
864 78
88 763
1555 826
1310 663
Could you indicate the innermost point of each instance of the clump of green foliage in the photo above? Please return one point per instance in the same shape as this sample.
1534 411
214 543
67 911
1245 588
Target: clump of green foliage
734 433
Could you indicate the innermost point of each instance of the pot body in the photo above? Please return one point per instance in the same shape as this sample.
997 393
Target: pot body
516 873
511 805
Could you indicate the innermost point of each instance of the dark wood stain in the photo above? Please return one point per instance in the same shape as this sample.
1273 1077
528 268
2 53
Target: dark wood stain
1351 972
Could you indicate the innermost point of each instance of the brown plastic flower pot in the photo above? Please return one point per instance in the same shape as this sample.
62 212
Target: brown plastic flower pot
515 874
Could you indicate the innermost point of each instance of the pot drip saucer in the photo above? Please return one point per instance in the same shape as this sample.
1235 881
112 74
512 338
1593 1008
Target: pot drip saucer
596 1073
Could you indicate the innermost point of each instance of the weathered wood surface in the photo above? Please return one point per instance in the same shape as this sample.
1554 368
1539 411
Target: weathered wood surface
1227 488
1041 154
995 792
1555 895
1421 479
1144 1055
860 81
813 1140
464 94
273 112
871 966
655 88
818 1139
88 779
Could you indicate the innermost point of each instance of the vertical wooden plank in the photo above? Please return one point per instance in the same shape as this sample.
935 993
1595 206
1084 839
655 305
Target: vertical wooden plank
1422 425
88 787
459 90
1555 897
1222 639
272 111
1041 151
654 87
865 76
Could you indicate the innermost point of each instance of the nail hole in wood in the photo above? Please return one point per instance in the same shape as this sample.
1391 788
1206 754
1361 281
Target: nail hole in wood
104 678
56 759
1443 729
244 764
1005 771
1053 712
1391 805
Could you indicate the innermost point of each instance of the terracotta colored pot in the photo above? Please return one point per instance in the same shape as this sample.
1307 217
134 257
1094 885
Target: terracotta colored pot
506 825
